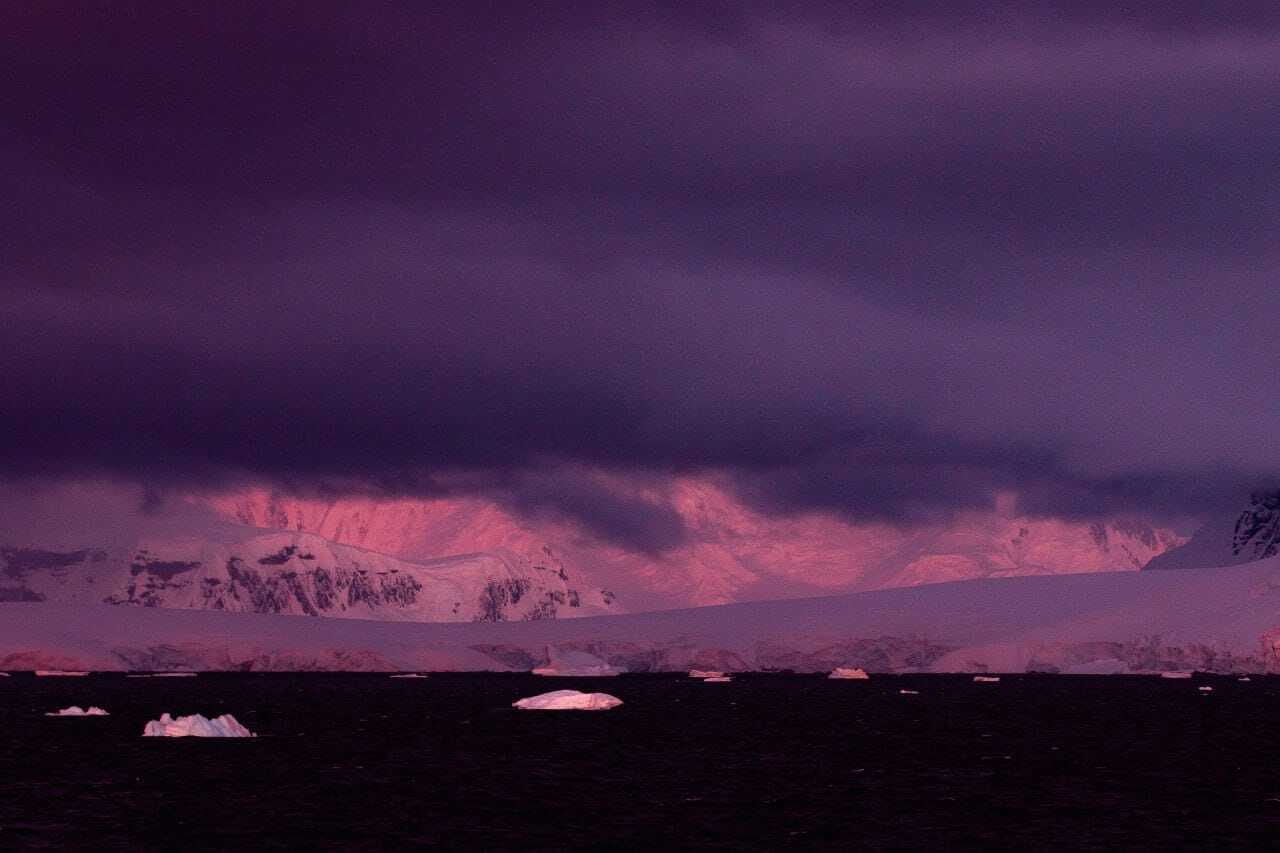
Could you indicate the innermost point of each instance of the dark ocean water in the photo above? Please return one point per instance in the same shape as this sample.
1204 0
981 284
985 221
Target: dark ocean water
768 761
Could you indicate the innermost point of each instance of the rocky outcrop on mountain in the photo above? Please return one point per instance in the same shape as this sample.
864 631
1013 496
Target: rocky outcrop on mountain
1253 534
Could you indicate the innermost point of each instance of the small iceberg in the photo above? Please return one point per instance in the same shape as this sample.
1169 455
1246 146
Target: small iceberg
1181 673
60 672
173 675
855 673
408 675
1244 678
4 675
77 711
568 700
705 673
986 679
1205 689
905 692
196 726
718 678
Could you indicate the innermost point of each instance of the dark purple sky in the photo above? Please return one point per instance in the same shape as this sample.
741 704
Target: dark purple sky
871 261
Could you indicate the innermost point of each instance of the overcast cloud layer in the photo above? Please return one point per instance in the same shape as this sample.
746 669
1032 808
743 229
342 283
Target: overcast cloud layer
865 262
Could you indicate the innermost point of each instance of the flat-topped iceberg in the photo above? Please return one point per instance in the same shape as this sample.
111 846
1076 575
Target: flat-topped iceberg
77 711
61 672
174 674
986 679
196 726
409 675
1176 674
855 673
705 673
718 678
568 700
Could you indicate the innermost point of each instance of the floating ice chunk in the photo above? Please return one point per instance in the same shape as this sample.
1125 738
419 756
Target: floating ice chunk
174 674
77 711
196 726
1244 678
408 675
705 673
718 678
906 692
1181 673
856 673
60 672
986 679
1205 689
568 700
4 675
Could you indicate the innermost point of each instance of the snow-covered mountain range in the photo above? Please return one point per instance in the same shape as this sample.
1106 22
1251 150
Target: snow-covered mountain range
279 572
1217 620
730 552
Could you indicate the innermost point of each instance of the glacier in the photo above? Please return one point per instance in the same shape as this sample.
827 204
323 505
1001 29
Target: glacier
1213 620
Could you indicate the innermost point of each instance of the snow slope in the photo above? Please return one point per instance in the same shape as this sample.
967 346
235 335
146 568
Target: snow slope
1225 619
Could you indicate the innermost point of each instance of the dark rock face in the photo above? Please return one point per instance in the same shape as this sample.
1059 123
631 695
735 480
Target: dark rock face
19 562
19 593
496 597
165 569
1257 531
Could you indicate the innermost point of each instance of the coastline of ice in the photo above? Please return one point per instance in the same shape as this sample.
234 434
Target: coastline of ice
60 673
196 725
568 700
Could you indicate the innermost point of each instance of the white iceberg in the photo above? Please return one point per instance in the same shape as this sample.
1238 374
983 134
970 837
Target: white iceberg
718 678
1245 678
408 675
1205 689
4 675
705 673
1176 674
568 700
905 692
575 663
196 726
986 679
855 673
60 672
77 711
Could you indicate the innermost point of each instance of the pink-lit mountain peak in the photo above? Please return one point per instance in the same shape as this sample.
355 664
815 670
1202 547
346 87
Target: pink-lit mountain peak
731 552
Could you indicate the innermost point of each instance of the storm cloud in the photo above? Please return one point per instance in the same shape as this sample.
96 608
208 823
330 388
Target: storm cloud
881 263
